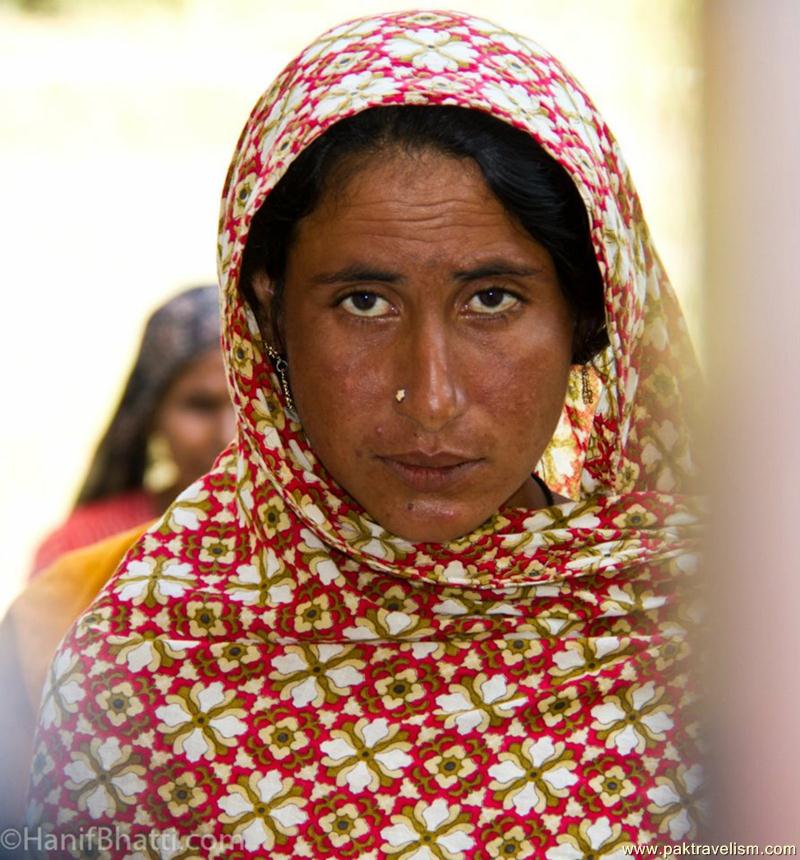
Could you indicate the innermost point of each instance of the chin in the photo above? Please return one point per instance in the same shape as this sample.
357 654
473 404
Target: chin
426 523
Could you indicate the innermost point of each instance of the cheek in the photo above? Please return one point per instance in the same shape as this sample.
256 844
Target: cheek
188 434
536 379
522 389
338 389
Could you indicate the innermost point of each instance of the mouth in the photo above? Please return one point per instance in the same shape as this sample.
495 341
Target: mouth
430 472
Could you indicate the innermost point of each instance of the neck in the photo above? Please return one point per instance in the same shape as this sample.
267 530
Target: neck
530 495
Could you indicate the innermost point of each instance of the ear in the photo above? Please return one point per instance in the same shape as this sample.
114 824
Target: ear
264 292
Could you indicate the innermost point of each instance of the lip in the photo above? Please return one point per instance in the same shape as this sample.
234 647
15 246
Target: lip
430 472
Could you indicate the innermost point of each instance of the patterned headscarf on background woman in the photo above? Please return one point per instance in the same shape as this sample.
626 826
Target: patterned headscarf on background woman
269 664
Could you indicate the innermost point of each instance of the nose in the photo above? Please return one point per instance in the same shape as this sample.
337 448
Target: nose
429 375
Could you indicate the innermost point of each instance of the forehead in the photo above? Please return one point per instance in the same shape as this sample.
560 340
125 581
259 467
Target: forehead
398 175
423 198
206 370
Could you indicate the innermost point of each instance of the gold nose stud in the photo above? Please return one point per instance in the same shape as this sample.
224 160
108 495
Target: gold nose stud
400 395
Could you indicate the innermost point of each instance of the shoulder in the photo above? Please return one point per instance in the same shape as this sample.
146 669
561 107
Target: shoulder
94 522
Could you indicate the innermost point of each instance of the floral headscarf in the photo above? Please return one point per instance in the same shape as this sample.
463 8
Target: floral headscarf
270 666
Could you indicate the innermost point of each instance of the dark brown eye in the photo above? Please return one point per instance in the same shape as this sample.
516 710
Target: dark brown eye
364 301
365 304
201 403
493 300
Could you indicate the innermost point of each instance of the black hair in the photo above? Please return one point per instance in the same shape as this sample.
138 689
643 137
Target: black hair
176 334
529 183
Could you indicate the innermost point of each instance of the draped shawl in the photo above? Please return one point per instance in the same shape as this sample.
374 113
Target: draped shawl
270 666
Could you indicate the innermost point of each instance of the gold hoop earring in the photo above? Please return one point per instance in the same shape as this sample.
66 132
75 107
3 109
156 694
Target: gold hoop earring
161 472
282 369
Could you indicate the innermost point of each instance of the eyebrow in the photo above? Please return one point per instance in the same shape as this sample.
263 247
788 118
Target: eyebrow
359 273
495 270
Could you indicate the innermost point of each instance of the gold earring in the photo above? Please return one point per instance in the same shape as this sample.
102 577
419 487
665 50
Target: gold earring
586 386
161 472
282 368
400 395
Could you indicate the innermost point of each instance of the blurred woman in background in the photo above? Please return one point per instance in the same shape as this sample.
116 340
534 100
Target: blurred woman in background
174 417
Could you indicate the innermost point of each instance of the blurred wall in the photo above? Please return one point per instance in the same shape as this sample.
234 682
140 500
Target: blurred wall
116 125
752 212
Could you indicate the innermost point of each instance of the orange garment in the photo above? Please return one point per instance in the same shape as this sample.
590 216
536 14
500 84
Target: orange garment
29 636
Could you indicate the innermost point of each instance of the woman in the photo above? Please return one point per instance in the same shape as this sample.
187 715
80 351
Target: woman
172 420
371 630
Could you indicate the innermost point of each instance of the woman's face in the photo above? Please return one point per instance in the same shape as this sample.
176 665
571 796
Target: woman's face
428 344
196 416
